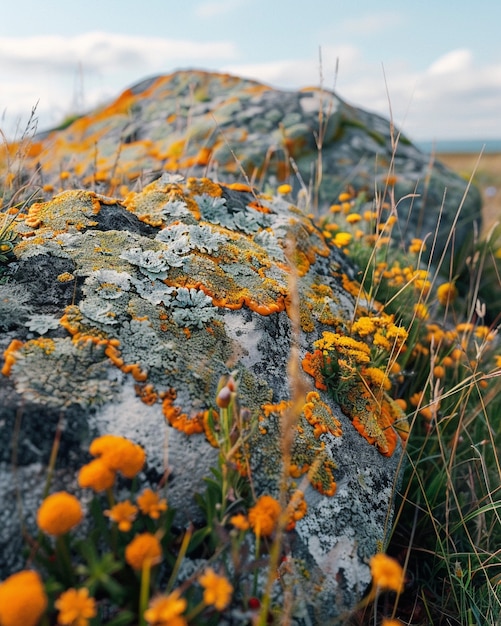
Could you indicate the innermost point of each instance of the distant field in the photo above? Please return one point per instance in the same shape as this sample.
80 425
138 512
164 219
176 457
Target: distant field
487 178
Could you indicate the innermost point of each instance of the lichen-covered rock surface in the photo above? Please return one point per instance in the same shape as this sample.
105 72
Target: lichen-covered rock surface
121 317
223 126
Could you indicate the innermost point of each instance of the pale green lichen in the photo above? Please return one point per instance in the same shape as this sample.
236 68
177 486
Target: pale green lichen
42 324
60 373
107 284
217 211
15 305
192 308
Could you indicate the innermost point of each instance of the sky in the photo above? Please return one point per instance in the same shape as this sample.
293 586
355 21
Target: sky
434 66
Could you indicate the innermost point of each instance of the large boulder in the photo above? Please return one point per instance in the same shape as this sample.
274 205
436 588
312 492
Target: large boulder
201 124
121 317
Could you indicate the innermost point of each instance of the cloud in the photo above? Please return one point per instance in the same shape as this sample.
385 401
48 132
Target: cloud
98 50
452 62
454 96
216 8
302 72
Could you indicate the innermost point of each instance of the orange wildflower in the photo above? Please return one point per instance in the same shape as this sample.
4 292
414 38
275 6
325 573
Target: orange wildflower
123 514
263 516
75 607
96 475
217 589
22 599
59 513
119 454
141 549
240 521
150 504
166 610
387 573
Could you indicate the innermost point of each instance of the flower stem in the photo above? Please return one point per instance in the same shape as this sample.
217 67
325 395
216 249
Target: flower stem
145 591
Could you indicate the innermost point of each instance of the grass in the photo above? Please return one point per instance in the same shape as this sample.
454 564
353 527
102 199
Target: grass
446 535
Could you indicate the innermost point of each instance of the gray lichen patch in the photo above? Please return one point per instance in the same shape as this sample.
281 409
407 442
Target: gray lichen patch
59 373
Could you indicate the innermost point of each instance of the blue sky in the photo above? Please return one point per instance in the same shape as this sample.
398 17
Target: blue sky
438 63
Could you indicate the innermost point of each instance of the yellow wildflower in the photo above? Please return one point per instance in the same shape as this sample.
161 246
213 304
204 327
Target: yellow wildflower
341 240
96 475
382 342
447 293
59 513
416 245
217 589
364 326
391 622
353 218
421 311
150 503
497 360
335 208
387 573
439 371
344 196
376 377
263 516
22 599
283 190
75 607
143 548
119 454
123 513
166 610
484 332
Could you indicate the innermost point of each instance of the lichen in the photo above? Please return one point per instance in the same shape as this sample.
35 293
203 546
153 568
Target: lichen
15 305
59 373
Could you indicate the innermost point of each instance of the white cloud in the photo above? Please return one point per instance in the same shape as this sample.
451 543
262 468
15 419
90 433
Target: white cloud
453 97
452 62
216 8
335 61
98 50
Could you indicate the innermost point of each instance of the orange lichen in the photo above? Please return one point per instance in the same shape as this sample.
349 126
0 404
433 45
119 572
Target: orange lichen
9 356
137 373
313 364
147 394
181 421
320 416
199 186
280 408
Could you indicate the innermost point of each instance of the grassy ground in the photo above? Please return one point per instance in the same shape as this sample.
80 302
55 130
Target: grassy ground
487 177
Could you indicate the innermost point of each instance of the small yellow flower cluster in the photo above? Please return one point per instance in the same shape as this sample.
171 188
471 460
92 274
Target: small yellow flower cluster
386 335
398 277
356 351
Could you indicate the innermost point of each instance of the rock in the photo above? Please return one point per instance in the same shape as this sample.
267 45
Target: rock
121 317
201 124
